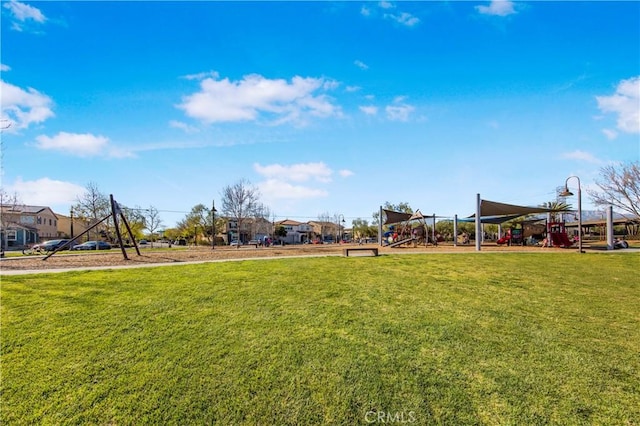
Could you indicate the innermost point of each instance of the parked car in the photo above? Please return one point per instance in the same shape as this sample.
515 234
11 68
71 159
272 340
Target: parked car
235 243
93 245
143 242
52 245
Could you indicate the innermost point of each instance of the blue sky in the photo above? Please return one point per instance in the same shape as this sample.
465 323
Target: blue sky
324 106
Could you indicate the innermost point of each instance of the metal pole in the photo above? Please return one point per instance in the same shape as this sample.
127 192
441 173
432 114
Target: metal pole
380 227
455 230
610 228
478 222
71 220
579 216
213 224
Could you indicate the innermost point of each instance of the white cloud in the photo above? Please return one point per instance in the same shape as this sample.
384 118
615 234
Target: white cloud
625 103
296 172
202 75
403 18
361 65
255 96
282 181
81 145
46 192
23 12
23 15
386 5
5 68
24 107
399 112
183 126
369 109
610 134
582 156
497 8
365 11
274 190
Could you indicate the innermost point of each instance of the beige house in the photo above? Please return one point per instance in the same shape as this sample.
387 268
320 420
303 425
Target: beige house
22 225
72 227
297 232
323 231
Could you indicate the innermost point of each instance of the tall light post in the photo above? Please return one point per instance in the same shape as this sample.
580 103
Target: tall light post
567 193
213 224
339 228
71 222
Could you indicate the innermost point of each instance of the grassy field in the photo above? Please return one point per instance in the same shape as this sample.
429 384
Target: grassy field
492 338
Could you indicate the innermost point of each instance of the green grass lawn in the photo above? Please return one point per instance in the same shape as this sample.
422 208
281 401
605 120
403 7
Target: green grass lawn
491 338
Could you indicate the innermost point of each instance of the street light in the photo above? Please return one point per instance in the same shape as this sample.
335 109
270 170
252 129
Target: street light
339 229
71 222
213 224
567 193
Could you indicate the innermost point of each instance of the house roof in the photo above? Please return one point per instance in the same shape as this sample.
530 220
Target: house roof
24 209
289 222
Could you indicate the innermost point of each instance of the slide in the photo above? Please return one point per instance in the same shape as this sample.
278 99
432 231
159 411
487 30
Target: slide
399 243
503 240
561 239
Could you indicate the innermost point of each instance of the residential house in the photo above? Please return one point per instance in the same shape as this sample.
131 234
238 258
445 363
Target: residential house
69 226
323 231
252 229
23 225
297 232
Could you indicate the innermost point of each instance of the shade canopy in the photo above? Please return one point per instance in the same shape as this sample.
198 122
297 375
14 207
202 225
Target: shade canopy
395 217
492 208
493 220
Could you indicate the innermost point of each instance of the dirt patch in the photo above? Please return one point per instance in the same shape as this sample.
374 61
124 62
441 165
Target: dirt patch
114 257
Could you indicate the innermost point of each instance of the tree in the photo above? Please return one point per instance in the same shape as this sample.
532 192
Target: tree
326 225
239 202
8 216
619 187
261 223
93 206
362 229
198 219
558 207
152 220
280 232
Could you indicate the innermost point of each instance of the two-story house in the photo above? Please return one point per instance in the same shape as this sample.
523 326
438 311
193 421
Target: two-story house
297 232
24 225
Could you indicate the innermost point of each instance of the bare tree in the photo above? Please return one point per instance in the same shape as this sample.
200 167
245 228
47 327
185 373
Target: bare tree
326 224
152 220
9 214
261 223
239 202
619 187
92 206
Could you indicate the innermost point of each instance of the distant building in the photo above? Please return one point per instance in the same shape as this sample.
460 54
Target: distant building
23 225
297 232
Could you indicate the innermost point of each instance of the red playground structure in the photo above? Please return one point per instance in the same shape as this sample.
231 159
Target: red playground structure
557 235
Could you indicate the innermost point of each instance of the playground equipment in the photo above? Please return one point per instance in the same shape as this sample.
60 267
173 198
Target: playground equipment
404 230
557 235
513 237
116 212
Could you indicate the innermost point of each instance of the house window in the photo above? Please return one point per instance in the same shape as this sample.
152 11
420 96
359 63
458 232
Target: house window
39 220
12 235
